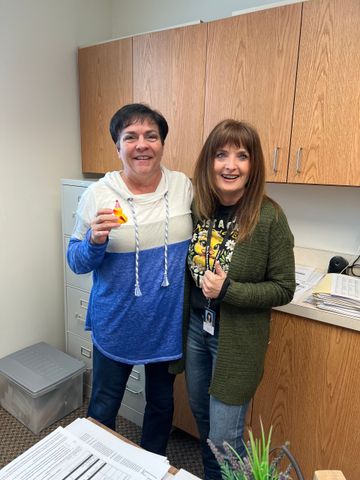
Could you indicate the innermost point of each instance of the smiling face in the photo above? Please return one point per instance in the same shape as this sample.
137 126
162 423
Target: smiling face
231 171
140 149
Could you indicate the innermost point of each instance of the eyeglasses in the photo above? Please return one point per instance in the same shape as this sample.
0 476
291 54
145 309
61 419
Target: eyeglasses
354 268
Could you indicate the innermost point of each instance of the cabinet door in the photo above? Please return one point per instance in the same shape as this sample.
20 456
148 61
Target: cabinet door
169 75
325 145
309 393
251 68
105 76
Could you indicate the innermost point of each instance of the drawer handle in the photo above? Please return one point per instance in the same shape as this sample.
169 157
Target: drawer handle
84 304
85 352
135 392
135 375
79 317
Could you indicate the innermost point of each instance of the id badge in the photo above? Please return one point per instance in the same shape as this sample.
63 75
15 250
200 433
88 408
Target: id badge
209 321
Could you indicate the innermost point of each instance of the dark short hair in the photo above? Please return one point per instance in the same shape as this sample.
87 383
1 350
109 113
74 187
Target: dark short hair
136 112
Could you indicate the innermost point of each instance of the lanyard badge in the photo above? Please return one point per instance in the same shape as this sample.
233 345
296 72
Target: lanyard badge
209 314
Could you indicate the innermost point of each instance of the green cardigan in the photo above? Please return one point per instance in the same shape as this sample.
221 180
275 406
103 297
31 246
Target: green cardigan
262 276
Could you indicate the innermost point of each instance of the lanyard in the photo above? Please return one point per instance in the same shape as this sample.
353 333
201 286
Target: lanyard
218 253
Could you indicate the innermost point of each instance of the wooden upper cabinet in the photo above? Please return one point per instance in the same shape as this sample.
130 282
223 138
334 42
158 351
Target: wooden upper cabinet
292 71
105 77
251 70
169 75
325 146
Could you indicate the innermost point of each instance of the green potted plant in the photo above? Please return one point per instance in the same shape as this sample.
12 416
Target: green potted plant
261 462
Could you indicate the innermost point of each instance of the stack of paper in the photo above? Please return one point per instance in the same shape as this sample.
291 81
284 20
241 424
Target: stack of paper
85 451
339 294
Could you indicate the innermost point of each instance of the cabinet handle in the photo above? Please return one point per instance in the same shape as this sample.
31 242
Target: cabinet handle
85 352
298 160
84 304
135 392
79 317
276 159
135 375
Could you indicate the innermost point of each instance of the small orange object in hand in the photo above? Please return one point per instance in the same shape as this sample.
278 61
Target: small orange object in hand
119 213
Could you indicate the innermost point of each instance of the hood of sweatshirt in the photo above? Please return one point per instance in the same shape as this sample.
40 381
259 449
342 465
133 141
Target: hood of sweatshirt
114 181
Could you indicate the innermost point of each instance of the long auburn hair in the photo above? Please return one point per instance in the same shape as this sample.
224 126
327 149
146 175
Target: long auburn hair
237 134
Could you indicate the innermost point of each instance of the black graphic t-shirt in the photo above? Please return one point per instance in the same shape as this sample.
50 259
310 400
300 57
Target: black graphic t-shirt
222 228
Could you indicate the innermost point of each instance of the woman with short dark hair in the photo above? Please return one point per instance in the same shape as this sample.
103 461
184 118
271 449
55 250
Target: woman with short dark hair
132 231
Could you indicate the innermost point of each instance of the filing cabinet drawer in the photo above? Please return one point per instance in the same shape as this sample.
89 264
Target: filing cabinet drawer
79 348
83 281
70 199
134 400
133 404
136 380
77 302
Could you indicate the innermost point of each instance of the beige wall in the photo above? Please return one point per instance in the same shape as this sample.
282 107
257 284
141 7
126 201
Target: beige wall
39 145
139 16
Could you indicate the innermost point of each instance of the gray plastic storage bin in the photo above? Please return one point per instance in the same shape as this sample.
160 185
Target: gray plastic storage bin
39 385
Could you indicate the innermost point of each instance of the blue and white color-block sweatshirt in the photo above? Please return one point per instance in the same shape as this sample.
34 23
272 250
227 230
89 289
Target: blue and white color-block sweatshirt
135 307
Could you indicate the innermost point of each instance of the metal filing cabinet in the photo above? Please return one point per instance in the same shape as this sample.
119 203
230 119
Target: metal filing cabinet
77 291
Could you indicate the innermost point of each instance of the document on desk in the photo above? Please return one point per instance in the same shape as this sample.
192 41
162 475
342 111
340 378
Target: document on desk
149 466
61 455
339 294
342 286
306 277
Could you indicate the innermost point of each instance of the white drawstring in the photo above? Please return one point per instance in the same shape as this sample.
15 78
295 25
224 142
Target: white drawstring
165 281
137 249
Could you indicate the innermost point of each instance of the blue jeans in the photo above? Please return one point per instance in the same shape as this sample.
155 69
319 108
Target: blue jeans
108 388
215 420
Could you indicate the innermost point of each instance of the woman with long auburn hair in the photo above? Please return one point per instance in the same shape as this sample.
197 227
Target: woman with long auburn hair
241 262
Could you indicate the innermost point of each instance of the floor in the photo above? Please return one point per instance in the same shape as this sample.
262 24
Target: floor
183 449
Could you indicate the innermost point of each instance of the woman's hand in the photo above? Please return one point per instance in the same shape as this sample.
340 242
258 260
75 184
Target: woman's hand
213 281
102 224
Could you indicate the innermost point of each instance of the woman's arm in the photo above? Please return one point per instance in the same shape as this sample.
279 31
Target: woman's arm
84 256
275 284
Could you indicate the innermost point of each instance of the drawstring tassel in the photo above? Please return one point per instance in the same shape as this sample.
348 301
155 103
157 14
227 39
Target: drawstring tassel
137 291
165 282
